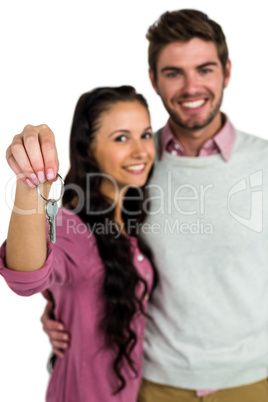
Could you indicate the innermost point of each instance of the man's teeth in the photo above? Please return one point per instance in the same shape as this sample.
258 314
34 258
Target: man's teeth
194 104
135 167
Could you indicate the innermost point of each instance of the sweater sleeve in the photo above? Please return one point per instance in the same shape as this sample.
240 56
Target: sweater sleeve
65 261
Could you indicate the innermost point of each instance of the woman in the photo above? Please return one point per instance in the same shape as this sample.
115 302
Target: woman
99 273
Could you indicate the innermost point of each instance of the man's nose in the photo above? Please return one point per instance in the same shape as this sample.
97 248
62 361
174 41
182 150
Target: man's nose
190 84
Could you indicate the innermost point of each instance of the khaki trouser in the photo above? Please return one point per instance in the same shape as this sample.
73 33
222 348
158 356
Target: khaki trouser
153 392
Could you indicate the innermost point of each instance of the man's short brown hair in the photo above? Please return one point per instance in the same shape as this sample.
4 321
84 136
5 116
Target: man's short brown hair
182 26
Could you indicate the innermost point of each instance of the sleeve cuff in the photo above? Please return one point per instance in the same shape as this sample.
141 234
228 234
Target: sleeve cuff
27 283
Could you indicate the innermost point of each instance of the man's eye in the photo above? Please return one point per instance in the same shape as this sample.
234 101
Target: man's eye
205 71
121 138
173 74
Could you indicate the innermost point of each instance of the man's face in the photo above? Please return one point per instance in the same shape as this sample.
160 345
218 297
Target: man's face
190 81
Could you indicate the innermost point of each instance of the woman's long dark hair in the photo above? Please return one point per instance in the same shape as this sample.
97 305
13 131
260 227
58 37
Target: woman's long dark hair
121 277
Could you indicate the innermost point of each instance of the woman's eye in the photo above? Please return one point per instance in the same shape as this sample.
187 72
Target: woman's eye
147 135
121 138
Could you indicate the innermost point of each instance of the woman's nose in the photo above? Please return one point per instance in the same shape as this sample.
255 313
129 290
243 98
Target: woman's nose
138 149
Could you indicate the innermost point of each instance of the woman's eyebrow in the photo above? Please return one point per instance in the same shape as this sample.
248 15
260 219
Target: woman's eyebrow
127 131
148 128
120 131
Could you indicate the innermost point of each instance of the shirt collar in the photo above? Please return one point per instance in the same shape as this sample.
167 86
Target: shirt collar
224 139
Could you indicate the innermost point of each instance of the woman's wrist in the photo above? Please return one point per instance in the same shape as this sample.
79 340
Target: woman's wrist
27 199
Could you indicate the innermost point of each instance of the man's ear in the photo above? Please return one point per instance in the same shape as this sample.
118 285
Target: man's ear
227 73
153 82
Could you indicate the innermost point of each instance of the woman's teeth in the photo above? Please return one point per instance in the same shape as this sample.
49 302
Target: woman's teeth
135 167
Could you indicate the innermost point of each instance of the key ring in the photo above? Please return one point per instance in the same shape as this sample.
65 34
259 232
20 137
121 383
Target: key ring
62 190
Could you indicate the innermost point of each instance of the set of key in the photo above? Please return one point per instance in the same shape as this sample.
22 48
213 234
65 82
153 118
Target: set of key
51 209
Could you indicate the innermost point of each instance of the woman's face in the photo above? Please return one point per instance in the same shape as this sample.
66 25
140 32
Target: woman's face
123 146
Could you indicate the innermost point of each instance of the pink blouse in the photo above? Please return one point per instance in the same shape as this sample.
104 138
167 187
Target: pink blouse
74 273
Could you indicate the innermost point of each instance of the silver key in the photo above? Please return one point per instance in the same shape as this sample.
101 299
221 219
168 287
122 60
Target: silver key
51 212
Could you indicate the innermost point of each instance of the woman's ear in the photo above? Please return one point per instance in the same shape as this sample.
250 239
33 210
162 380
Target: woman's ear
91 149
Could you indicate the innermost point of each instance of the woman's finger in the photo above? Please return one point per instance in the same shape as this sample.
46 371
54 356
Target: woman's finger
33 150
19 153
49 152
16 169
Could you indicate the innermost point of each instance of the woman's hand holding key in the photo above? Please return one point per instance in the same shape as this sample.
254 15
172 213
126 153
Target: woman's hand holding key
32 156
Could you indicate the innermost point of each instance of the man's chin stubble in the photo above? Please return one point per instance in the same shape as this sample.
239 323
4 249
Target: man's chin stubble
192 126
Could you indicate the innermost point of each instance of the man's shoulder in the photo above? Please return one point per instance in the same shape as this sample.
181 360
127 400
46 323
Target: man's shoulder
245 136
250 140
158 132
157 142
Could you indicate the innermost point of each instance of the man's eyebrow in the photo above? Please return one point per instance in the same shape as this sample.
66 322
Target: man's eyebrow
170 68
209 63
179 69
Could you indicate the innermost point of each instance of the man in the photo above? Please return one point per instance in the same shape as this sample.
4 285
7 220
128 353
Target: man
207 338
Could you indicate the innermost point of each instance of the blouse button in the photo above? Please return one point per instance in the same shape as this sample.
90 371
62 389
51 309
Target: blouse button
147 276
140 257
146 297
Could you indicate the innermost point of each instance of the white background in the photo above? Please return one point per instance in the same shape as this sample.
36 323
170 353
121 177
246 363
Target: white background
51 52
